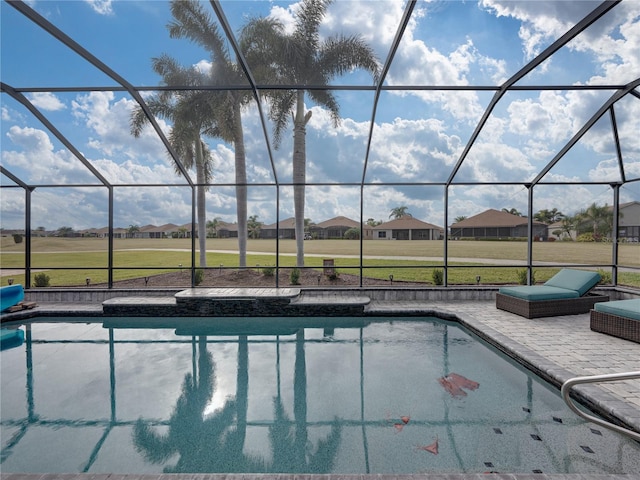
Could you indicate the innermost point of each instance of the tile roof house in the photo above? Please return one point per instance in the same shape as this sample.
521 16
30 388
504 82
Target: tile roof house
286 229
407 228
335 228
496 224
227 230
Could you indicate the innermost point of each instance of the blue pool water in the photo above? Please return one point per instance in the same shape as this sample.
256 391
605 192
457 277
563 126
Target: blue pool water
372 395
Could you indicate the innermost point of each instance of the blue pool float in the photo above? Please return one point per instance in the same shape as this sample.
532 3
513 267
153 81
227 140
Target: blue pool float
10 295
10 338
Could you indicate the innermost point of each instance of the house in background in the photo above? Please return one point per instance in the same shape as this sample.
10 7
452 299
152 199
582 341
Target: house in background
334 228
407 228
497 224
629 221
286 229
227 230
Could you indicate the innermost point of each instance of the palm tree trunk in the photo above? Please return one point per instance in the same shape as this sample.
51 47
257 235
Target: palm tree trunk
299 175
241 188
201 206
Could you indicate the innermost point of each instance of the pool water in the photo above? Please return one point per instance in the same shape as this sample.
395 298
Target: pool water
359 395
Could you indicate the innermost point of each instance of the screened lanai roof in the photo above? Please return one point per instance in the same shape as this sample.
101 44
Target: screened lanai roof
484 99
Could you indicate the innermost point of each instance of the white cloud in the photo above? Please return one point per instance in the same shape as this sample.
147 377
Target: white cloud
285 16
376 22
103 7
107 118
37 156
46 101
542 21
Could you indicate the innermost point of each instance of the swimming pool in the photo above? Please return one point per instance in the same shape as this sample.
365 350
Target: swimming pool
312 395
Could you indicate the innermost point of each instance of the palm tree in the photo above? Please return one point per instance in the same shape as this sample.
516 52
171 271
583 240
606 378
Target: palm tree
194 23
212 227
197 113
599 219
460 218
189 112
548 216
512 211
568 225
303 58
399 212
254 226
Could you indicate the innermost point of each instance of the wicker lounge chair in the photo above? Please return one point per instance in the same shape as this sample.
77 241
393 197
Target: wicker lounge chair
620 318
566 293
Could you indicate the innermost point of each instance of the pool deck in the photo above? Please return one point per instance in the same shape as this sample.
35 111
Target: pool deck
556 348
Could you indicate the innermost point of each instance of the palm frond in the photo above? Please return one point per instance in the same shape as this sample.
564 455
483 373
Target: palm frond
340 55
193 23
329 101
308 18
282 104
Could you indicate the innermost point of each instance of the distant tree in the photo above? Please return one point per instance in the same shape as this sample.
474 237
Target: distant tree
595 219
512 211
568 225
182 232
352 234
548 216
373 222
132 230
399 212
460 218
254 226
212 227
41 231
64 232
308 223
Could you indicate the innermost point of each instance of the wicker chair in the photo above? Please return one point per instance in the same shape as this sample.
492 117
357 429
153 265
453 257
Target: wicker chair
620 318
566 293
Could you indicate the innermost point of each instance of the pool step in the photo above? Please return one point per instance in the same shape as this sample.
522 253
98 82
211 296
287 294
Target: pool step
239 302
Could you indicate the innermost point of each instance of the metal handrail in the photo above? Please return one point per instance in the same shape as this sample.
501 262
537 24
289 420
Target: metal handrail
566 388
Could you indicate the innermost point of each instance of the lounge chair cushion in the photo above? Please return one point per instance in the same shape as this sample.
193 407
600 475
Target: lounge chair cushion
539 292
621 308
579 280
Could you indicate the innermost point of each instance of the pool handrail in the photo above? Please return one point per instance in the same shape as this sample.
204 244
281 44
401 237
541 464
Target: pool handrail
566 390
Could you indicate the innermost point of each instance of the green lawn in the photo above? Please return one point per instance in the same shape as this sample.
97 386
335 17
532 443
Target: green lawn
405 260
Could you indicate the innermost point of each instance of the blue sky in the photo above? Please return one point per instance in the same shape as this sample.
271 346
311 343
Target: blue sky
418 135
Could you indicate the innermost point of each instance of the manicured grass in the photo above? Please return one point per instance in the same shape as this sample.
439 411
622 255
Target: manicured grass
412 261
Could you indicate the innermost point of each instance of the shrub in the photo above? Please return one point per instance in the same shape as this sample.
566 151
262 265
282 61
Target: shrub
41 280
199 277
17 238
352 234
268 271
438 276
333 275
605 277
585 237
295 276
522 276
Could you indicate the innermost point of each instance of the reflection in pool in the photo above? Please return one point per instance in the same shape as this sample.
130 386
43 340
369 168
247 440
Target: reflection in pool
311 395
